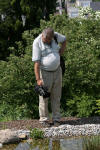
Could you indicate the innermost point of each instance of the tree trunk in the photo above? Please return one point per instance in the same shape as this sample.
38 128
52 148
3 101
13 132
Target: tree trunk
66 6
60 8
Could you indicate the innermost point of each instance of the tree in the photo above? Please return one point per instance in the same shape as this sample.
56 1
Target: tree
11 19
66 1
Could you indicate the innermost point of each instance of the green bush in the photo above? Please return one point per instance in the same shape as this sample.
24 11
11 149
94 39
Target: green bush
81 106
17 89
36 133
81 82
98 106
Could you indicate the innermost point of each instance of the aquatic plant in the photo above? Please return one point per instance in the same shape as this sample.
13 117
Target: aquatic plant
91 143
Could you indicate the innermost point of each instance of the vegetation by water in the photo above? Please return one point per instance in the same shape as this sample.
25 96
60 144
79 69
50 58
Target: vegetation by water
36 133
79 143
91 143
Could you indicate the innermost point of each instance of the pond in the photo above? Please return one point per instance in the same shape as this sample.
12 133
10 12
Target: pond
72 143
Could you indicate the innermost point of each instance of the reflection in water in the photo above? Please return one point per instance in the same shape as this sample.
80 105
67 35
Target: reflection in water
71 144
55 144
52 144
8 147
23 146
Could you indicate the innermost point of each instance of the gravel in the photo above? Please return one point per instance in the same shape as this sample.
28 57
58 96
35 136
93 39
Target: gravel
65 130
70 126
68 130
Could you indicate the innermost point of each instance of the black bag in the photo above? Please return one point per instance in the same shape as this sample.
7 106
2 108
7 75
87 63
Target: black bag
62 61
62 64
42 91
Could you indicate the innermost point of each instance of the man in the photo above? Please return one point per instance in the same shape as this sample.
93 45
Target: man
46 56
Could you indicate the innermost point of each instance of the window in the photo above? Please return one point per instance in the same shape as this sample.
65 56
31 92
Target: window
74 14
85 4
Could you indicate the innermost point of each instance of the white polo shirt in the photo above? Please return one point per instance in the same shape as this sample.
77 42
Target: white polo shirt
48 55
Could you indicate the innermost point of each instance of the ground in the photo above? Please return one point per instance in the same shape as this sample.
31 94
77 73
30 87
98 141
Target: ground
27 124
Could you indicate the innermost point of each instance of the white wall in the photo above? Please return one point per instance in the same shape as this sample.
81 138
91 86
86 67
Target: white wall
83 3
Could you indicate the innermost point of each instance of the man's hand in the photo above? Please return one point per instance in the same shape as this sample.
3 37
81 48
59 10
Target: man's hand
39 82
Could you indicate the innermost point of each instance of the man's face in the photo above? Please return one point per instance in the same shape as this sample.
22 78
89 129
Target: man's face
47 40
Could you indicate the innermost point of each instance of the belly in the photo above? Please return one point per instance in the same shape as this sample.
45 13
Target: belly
50 62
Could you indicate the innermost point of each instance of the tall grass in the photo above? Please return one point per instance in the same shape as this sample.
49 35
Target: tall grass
91 143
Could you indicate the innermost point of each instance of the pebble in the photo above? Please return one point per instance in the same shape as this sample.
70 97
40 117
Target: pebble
72 130
60 131
1 145
68 130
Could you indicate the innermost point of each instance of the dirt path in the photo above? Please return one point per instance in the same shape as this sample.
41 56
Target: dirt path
27 124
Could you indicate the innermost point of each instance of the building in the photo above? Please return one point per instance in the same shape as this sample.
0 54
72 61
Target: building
83 3
73 10
95 6
59 6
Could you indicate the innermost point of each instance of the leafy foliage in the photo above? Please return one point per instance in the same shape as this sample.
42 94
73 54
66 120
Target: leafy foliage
81 82
36 133
81 106
17 89
11 22
98 105
87 12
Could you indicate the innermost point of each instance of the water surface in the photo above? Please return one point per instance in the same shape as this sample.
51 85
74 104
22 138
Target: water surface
73 143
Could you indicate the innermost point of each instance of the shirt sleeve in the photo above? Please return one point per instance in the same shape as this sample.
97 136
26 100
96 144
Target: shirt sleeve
36 52
60 38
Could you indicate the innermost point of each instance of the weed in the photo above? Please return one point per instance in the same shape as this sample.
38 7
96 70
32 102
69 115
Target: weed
36 133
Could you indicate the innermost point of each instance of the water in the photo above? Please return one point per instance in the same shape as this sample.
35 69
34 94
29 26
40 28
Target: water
73 143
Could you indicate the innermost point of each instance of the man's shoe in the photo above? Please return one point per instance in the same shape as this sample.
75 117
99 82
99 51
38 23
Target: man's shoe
45 123
56 123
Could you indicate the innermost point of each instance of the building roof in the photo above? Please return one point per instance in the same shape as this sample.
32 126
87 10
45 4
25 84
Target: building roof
95 5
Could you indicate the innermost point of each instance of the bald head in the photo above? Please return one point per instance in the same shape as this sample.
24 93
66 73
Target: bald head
48 32
47 35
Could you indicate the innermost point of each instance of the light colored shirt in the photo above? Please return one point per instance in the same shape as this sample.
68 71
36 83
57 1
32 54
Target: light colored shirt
48 55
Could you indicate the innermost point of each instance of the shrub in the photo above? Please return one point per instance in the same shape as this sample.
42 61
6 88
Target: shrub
98 106
36 133
17 89
81 105
81 82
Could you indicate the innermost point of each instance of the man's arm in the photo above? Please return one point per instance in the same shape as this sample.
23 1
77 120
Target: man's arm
62 48
37 73
62 40
36 56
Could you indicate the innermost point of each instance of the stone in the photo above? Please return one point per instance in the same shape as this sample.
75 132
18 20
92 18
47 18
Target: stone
1 145
23 136
8 136
11 136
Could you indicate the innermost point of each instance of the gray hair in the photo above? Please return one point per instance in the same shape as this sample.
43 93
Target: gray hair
48 32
